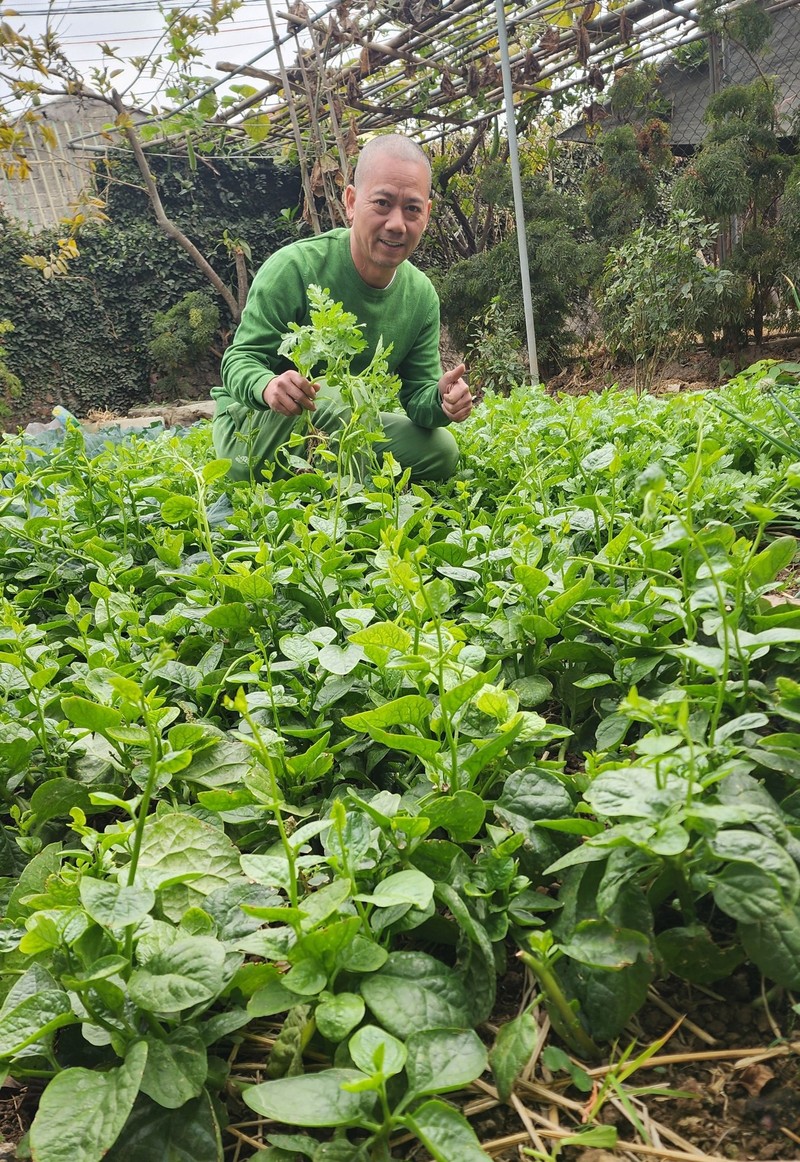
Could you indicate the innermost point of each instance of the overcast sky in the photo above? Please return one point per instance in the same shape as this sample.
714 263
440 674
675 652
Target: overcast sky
133 27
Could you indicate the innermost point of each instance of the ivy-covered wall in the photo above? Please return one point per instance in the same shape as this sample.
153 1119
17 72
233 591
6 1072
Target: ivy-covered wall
81 340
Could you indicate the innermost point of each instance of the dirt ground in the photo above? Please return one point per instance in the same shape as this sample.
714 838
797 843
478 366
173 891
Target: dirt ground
695 371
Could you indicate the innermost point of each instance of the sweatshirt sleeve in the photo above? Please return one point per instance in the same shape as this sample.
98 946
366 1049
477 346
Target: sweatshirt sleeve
421 371
277 296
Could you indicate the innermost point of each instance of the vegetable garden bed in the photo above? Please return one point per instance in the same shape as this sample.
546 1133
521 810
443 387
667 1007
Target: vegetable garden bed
296 769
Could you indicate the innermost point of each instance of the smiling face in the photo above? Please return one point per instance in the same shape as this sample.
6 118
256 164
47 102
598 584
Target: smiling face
388 209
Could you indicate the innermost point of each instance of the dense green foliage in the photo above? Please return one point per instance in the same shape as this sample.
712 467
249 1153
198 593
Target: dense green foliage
10 384
319 752
185 333
82 341
562 259
658 292
740 172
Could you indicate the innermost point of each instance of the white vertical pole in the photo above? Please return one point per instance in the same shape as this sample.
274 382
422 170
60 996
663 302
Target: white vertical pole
519 212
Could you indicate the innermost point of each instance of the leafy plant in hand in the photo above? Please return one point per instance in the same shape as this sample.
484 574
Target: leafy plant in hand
323 350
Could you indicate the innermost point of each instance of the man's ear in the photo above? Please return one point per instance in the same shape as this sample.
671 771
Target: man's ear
349 201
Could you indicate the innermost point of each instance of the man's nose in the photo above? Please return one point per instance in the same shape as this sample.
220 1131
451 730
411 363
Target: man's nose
395 221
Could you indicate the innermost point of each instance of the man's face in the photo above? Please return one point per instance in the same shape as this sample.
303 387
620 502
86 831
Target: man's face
388 214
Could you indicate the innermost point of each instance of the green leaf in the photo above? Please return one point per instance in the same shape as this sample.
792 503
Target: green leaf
528 797
598 1137
458 695
98 970
512 1050
561 605
767 564
312 1099
413 991
33 880
187 973
298 648
403 887
32 1018
175 844
611 730
532 690
82 1111
178 508
708 658
601 458
556 1059
56 798
380 638
363 955
748 893
339 659
411 710
338 1015
445 1133
773 944
441 1060
488 749
760 879
273 997
189 1134
692 954
234 615
636 793
601 944
307 977
114 906
534 581
374 1050
215 470
461 815
177 1067
90 715
224 764
255 586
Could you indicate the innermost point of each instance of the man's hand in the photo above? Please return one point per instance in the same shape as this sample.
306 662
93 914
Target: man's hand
455 394
290 394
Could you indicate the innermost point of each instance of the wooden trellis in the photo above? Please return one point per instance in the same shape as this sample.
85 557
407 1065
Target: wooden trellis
433 67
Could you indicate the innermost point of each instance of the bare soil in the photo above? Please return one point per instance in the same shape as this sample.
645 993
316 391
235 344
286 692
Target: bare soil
697 370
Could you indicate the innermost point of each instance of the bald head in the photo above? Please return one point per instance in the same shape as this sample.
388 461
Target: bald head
389 146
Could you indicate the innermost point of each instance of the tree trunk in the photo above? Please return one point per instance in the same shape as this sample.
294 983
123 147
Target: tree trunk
167 225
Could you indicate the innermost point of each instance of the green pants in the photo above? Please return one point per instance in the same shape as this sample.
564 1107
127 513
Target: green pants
252 440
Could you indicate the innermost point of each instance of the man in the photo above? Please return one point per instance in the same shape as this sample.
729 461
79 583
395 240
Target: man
365 268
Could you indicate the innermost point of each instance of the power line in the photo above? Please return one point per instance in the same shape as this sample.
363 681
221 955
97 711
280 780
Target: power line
95 61
96 9
149 33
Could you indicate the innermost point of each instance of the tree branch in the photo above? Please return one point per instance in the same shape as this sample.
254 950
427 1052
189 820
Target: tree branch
166 224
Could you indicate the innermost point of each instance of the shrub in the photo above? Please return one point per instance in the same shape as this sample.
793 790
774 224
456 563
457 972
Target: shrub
184 333
494 356
658 291
10 384
562 260
738 178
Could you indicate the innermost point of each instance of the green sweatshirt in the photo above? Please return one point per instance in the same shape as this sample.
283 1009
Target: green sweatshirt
405 314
